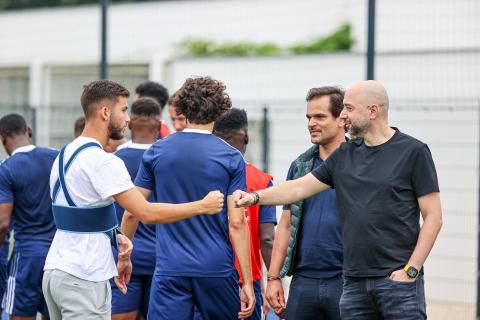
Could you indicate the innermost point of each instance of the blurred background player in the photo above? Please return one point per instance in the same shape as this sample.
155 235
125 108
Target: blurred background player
233 128
195 259
159 93
144 128
78 127
25 201
179 121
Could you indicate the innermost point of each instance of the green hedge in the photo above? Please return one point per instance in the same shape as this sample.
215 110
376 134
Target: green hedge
339 40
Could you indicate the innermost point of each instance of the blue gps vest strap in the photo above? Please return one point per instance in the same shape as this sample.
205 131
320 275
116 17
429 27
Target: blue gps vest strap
81 219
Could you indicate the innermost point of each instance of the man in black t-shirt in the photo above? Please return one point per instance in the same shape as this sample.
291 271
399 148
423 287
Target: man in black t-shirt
383 180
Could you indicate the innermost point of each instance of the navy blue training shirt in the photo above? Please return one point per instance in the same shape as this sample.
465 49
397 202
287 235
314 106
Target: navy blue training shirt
320 252
143 255
185 167
24 180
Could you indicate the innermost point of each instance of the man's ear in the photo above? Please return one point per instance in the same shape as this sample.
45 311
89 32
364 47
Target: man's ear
374 111
105 112
29 132
246 138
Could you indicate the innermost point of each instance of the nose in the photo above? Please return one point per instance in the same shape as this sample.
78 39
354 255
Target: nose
343 114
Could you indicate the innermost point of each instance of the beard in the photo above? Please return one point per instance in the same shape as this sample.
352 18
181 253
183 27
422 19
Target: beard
115 132
357 130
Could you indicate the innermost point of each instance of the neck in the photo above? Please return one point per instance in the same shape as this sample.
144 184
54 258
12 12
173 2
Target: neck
97 132
144 137
208 126
324 151
18 142
377 136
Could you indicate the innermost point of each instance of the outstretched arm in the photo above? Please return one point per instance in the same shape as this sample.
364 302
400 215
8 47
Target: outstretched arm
284 193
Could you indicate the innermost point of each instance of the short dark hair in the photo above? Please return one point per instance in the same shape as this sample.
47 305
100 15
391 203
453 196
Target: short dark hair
146 107
153 90
79 126
231 121
97 91
202 100
13 124
336 97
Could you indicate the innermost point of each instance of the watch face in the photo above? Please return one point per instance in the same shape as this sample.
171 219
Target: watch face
412 272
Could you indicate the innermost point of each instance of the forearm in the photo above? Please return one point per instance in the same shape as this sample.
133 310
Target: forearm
291 191
240 236
267 234
129 225
426 239
160 213
280 246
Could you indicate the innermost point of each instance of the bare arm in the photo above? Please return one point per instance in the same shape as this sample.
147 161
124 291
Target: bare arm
280 244
6 210
267 234
129 221
286 192
133 200
431 209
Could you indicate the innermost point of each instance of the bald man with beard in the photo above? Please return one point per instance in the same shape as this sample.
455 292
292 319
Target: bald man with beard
384 180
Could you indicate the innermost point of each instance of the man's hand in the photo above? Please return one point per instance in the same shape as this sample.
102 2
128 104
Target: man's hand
124 265
266 306
276 297
247 300
213 202
243 199
401 276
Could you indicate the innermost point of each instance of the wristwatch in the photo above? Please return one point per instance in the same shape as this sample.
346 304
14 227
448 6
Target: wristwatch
411 271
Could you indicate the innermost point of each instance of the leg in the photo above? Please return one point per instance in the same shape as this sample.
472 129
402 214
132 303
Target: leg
217 298
25 295
53 308
330 297
401 300
125 306
80 299
303 299
171 298
356 302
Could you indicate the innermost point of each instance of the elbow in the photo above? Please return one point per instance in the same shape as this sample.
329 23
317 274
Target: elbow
4 227
237 224
267 241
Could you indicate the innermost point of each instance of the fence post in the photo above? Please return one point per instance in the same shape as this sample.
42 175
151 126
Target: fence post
265 139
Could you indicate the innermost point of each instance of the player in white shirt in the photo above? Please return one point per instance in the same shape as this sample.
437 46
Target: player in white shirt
86 179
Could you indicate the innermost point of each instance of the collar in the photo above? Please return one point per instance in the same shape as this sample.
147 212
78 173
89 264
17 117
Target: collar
196 131
24 149
83 140
141 146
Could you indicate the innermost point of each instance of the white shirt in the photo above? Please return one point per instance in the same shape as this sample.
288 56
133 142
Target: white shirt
93 178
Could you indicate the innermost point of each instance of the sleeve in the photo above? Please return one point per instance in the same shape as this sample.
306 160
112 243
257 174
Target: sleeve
239 176
326 171
289 177
145 177
6 186
111 177
424 175
267 214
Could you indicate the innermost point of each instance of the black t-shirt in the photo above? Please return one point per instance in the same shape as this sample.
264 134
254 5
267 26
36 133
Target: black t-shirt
377 190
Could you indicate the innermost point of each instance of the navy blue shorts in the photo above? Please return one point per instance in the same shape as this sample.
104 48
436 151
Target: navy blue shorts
176 297
257 312
136 298
24 295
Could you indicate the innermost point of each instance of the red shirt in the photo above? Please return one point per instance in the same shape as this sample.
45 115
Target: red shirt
256 180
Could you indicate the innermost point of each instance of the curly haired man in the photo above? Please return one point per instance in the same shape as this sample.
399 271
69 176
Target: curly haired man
195 259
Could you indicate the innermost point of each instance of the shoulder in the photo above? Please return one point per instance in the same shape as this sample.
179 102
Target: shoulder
407 143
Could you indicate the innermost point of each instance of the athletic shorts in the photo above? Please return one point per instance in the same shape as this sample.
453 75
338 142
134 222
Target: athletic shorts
24 295
257 312
175 297
136 298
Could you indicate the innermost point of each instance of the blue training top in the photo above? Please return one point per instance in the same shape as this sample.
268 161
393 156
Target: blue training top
24 180
320 252
143 255
181 168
